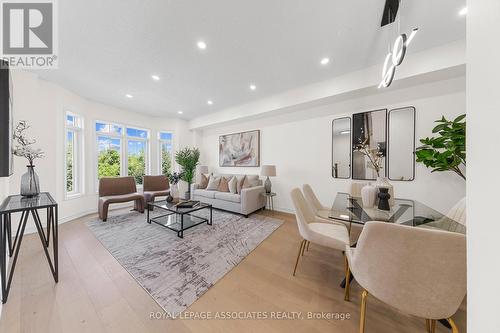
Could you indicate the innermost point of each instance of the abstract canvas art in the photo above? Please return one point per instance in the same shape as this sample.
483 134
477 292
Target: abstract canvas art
240 149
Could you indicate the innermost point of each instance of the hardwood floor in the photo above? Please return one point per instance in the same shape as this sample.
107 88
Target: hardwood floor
95 294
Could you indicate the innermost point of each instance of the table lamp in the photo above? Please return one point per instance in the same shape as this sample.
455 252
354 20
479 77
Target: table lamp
268 171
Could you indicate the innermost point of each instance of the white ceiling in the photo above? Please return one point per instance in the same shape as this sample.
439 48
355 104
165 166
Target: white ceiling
111 48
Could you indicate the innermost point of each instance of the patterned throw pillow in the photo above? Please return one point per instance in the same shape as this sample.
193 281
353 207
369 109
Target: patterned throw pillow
213 183
233 185
223 185
203 182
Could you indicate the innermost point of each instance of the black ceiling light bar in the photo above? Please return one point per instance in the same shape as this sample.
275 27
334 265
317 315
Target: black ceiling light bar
390 11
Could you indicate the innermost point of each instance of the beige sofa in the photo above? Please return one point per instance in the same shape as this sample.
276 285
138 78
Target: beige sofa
248 201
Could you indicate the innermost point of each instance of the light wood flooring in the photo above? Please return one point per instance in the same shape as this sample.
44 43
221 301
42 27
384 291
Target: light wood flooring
95 294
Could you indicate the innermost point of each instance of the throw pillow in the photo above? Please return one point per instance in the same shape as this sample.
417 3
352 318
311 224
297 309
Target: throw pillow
240 184
233 185
246 184
213 183
253 180
203 182
223 185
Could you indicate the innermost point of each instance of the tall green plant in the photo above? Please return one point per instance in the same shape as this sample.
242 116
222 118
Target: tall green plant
188 158
445 152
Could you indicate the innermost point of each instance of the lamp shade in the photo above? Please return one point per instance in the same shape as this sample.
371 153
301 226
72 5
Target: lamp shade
203 169
268 170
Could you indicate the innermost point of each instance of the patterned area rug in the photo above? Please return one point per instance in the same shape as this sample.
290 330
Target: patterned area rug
175 271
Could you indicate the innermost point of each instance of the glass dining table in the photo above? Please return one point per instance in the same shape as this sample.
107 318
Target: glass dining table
348 208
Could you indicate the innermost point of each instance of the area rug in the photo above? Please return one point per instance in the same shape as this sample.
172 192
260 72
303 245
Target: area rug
177 271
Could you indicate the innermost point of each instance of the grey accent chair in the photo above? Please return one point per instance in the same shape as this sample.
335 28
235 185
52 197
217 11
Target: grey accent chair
420 272
323 212
313 230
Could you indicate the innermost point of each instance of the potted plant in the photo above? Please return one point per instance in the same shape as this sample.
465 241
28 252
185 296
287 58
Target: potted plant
188 158
445 152
30 185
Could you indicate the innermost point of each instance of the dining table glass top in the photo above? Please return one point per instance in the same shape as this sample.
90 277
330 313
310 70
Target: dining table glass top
402 211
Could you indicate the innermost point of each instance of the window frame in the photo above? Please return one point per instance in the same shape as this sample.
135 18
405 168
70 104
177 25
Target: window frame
160 143
127 138
78 156
124 138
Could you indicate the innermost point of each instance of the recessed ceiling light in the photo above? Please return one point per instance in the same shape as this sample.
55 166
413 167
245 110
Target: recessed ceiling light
209 102
253 87
325 61
201 45
463 11
180 112
129 96
155 77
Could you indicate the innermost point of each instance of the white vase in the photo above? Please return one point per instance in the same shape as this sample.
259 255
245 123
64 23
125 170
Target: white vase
384 182
369 195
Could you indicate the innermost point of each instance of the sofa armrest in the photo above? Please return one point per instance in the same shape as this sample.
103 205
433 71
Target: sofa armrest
194 187
252 199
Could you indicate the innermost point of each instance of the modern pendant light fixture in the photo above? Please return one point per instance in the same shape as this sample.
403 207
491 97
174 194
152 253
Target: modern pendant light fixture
396 54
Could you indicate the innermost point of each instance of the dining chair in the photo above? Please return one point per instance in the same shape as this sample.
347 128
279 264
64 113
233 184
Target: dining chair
323 213
458 212
421 272
312 230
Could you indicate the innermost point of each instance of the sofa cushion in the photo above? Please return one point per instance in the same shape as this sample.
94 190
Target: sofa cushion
232 185
226 196
223 185
213 183
252 180
203 182
205 193
239 184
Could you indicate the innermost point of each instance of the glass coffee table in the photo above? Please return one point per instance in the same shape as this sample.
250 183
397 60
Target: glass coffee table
176 218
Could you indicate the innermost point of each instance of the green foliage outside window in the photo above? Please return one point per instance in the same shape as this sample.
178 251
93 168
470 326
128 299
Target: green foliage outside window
108 163
69 167
166 162
137 166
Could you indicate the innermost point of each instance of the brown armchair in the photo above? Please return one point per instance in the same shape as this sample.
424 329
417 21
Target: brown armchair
116 190
155 186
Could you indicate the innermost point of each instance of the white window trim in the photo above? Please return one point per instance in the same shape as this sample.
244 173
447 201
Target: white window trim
160 142
78 156
123 148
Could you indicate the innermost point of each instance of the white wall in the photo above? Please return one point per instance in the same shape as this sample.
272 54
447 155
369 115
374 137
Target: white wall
483 108
44 105
299 144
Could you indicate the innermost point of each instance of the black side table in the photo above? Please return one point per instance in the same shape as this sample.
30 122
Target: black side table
27 206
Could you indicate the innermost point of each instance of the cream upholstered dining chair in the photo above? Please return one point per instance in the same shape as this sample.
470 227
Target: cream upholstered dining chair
458 212
421 272
323 213
334 236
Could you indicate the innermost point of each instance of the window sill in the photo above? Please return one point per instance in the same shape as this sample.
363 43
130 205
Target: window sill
73 196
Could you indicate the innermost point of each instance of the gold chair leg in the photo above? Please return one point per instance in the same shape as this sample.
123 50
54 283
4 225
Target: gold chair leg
430 325
362 318
454 328
302 245
308 242
347 280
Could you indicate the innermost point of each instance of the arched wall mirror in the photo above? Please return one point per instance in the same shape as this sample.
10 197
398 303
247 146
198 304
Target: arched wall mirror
401 144
369 151
341 148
